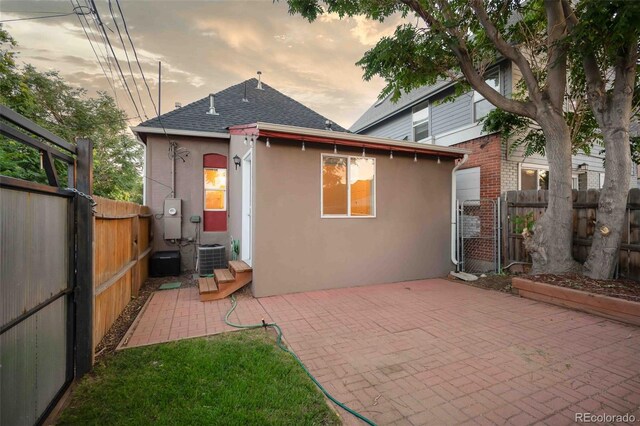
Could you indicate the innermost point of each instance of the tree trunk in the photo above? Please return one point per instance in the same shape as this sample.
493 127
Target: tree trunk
607 237
550 245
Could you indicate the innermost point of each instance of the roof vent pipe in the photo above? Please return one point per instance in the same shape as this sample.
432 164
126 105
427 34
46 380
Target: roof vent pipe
212 106
328 124
259 86
178 105
244 99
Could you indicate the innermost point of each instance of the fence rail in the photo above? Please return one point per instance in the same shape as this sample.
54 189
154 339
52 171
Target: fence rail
122 244
519 204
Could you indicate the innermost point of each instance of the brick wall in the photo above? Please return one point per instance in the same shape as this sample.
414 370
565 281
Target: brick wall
486 153
508 173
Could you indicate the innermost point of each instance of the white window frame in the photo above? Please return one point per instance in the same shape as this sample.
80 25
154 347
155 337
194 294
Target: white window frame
482 98
204 190
429 137
374 195
537 168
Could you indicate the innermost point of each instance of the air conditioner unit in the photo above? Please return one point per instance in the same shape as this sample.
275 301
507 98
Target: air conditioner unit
210 257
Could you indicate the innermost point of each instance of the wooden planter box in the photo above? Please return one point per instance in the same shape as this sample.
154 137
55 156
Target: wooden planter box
609 307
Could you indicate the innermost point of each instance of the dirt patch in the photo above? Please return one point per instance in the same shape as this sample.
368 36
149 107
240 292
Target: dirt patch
620 288
119 328
491 282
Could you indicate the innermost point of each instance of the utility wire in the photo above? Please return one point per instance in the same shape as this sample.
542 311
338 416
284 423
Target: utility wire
37 17
94 51
100 42
102 27
127 57
135 53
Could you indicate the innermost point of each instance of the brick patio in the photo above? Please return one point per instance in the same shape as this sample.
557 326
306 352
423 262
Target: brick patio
433 351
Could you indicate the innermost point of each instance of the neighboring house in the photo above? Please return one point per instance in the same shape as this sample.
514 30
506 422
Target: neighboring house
312 207
422 116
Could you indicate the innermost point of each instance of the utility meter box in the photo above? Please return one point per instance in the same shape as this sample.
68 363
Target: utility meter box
172 219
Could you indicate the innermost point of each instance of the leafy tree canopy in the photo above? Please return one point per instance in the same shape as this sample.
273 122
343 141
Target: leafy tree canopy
67 111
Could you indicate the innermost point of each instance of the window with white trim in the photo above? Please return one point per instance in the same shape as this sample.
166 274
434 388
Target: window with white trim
420 122
348 186
534 178
481 106
215 189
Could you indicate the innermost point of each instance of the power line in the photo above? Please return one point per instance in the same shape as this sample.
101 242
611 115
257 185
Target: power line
127 57
94 51
104 54
124 80
135 53
37 17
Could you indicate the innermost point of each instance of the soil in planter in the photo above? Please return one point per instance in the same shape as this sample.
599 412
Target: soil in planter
621 288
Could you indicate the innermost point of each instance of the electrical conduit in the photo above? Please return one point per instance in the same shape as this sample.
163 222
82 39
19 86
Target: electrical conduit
281 345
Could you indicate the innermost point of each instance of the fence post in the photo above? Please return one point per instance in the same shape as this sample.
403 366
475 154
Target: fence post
84 257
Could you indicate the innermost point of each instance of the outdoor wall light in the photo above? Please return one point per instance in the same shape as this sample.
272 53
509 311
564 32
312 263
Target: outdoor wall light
236 161
268 143
390 155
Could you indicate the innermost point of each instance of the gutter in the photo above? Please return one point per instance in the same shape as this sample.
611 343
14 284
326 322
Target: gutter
343 138
178 132
454 211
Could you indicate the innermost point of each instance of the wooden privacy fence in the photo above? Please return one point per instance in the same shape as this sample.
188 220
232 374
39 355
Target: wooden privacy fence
520 204
122 244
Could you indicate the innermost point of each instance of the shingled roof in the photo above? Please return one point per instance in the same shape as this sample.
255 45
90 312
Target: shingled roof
267 105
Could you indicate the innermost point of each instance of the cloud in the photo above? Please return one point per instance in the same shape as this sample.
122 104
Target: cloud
208 46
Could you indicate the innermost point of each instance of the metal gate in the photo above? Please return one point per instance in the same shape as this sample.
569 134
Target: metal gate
479 236
43 231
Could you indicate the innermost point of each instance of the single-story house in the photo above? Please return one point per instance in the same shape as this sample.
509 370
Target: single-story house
312 206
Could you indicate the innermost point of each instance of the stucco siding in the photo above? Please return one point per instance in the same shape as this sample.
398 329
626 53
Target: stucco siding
189 188
296 250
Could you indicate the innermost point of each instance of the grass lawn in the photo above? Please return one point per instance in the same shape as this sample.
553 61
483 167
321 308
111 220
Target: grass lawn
238 378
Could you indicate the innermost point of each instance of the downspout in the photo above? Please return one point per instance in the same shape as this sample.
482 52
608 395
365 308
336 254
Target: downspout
454 213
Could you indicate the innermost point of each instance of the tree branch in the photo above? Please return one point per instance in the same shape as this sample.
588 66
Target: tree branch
475 79
508 50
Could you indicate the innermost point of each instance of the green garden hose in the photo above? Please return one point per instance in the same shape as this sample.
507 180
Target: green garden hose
284 348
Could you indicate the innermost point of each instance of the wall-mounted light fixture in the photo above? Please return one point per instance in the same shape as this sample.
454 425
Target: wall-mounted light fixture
391 155
303 147
236 161
415 157
438 159
268 143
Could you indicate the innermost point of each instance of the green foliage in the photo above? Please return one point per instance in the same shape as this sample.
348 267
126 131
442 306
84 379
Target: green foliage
238 378
427 48
522 222
54 104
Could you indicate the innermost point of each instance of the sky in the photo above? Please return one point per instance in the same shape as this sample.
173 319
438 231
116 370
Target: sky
205 47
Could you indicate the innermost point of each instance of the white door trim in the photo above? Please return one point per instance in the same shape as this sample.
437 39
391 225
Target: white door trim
246 245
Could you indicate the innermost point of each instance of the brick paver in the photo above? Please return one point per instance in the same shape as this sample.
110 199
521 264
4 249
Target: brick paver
434 352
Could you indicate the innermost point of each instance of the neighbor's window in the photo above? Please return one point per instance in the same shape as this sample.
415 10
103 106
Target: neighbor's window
215 189
533 178
421 122
348 186
481 106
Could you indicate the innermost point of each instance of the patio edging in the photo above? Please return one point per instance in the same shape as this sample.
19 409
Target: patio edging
610 307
